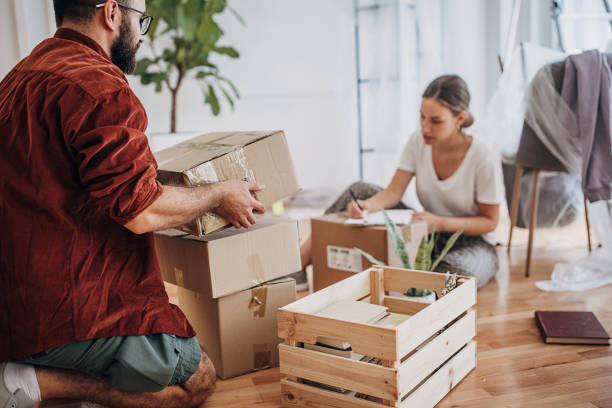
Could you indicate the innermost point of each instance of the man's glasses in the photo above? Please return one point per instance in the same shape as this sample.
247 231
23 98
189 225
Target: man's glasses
145 19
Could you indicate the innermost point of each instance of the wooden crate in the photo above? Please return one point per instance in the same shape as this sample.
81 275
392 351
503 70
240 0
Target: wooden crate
418 361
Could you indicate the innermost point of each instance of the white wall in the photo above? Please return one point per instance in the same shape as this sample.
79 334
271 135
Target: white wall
296 72
23 24
9 47
470 39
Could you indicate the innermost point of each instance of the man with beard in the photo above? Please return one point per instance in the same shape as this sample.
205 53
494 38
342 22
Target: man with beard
83 310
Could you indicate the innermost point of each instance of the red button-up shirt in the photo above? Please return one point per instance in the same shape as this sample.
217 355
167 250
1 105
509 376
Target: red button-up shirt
75 166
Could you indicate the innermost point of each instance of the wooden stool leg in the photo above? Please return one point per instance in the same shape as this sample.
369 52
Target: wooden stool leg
516 191
533 216
588 224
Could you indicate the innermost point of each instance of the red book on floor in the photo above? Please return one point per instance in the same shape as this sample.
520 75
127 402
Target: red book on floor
571 328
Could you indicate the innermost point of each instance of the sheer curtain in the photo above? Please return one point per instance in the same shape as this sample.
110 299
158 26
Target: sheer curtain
399 48
584 25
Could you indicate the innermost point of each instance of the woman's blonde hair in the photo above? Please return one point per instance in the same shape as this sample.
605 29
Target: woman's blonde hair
452 92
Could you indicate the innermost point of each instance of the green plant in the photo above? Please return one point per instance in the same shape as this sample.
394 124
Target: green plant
191 35
422 261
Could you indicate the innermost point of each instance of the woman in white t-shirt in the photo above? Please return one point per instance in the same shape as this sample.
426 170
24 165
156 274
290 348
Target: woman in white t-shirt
457 181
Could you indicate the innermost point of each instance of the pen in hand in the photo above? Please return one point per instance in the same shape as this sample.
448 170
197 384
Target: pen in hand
355 199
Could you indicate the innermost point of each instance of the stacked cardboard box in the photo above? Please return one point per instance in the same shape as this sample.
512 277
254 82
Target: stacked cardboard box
230 282
261 157
229 287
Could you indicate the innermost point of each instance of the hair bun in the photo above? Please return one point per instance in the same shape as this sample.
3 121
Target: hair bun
469 120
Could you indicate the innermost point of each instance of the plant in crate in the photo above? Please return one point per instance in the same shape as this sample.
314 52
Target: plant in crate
191 37
423 260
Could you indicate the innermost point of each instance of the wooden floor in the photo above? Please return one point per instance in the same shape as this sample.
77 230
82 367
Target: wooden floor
515 368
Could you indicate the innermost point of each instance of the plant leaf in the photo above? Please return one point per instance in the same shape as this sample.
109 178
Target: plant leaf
229 51
432 239
238 16
143 65
399 245
215 6
212 100
370 258
187 34
417 292
228 97
422 260
231 84
449 244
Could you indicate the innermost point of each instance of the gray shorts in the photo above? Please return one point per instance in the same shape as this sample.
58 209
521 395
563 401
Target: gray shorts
130 363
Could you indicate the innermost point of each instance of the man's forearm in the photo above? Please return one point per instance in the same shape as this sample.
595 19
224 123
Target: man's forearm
177 206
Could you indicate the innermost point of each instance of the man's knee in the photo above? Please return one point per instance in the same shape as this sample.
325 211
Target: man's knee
205 376
202 383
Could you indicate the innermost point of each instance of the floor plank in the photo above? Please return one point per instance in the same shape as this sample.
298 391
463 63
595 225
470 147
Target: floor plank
515 368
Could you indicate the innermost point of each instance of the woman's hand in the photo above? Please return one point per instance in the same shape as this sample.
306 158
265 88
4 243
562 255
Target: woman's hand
355 212
428 217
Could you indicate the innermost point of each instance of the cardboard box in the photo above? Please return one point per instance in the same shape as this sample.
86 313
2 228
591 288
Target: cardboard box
239 332
334 257
231 260
253 156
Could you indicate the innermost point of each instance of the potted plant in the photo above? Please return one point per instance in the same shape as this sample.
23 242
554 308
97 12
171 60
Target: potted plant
423 260
183 39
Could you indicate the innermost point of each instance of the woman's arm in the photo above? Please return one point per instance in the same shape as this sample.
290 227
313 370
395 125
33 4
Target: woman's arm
387 198
486 221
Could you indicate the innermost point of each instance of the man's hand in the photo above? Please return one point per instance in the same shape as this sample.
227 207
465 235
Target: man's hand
176 206
237 203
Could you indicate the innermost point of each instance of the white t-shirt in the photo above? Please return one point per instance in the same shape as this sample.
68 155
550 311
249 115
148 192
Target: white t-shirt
477 180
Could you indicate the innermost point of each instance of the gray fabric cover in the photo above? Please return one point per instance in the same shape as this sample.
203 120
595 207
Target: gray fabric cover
587 88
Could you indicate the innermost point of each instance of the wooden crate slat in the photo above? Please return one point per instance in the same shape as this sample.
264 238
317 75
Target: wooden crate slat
444 380
426 375
353 288
425 323
296 395
377 288
405 306
369 340
399 280
422 363
340 372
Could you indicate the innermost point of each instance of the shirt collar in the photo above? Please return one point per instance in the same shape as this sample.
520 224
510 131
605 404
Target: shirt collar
73 35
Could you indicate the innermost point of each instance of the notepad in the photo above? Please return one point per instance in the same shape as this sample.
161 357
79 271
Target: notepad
400 217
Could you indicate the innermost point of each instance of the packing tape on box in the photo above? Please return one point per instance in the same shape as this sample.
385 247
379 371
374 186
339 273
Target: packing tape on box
233 166
179 277
257 304
262 356
256 269
210 145
191 147
206 145
203 146
203 174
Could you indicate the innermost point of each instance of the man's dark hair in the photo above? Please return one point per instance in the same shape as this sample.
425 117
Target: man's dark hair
76 10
